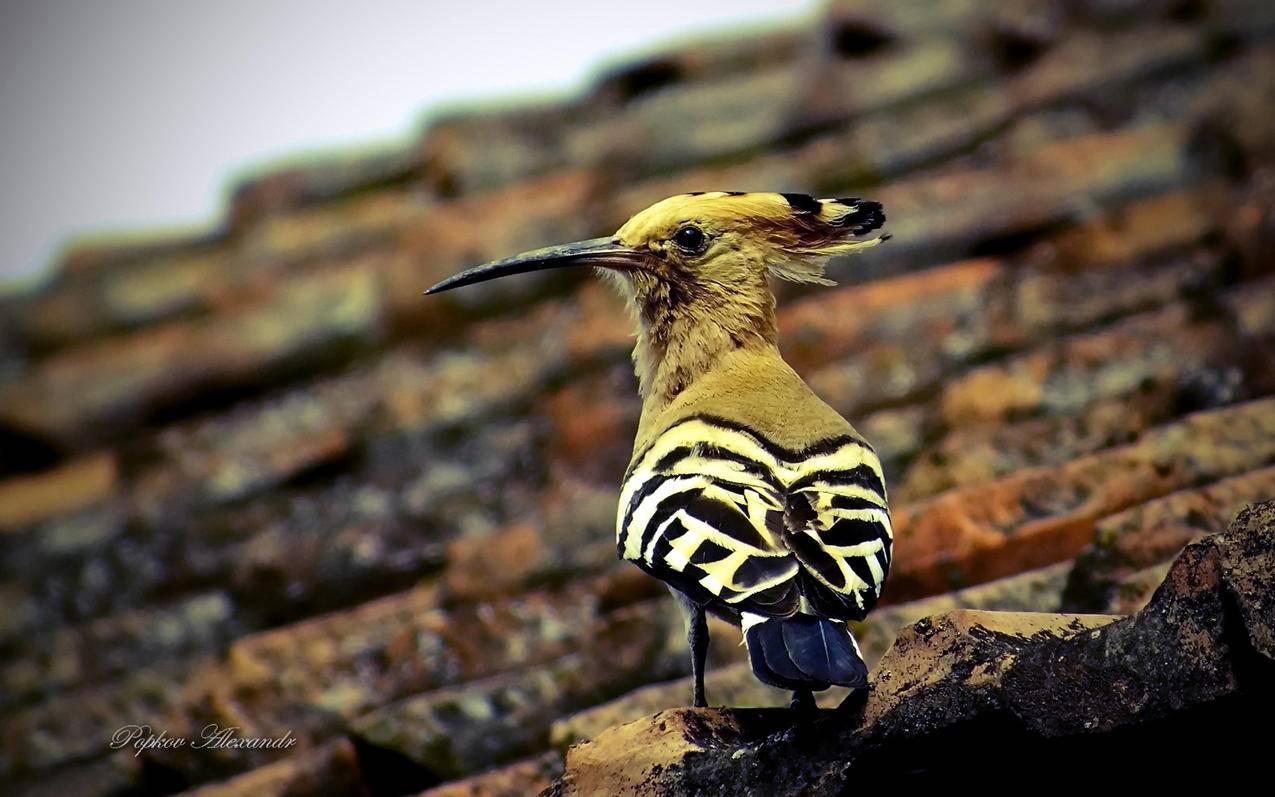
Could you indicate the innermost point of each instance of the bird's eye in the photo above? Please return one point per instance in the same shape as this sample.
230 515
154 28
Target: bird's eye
690 240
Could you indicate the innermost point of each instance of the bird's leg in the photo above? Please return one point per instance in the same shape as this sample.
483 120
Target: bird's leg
803 700
697 636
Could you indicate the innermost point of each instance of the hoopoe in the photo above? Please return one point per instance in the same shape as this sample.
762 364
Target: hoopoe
746 494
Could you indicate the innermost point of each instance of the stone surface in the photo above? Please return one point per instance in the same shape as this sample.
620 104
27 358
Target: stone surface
112 646
1128 543
530 776
317 675
950 667
78 485
1039 590
94 392
461 731
1061 378
95 779
332 769
1040 516
77 724
652 755
732 685
1027 683
1134 591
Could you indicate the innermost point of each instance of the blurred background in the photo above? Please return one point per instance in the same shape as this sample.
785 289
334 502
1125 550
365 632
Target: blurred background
249 476
151 111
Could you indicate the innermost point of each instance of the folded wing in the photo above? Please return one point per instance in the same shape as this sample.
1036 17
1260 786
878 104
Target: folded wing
703 512
838 525
742 525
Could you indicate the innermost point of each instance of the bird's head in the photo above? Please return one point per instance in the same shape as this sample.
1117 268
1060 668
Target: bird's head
709 249
695 268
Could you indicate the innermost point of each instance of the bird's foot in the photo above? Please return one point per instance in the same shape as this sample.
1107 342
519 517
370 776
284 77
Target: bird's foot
803 701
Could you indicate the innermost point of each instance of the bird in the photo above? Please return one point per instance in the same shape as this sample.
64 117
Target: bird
750 497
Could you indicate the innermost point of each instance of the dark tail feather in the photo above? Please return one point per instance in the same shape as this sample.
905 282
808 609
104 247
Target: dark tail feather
803 652
769 658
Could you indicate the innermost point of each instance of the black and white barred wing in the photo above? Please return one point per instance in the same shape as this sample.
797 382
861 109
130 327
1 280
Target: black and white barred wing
703 511
838 525
726 516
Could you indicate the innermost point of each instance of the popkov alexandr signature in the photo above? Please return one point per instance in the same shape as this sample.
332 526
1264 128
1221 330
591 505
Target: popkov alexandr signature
212 737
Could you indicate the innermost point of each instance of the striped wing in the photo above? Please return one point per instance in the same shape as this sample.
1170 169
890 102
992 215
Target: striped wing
729 518
700 512
838 525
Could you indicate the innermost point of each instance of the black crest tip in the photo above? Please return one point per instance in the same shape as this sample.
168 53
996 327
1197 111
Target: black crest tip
802 203
864 217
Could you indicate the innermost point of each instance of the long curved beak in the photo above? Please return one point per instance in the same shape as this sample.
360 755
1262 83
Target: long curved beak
603 252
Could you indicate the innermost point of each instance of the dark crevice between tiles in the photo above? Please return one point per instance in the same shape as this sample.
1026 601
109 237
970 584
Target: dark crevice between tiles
924 394
320 473
154 780
441 181
1220 46
207 401
389 773
219 396
858 38
250 201
1187 11
647 77
1013 50
25 453
1213 149
1014 241
267 598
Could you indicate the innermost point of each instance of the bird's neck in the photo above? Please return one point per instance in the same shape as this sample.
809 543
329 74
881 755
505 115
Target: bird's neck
679 343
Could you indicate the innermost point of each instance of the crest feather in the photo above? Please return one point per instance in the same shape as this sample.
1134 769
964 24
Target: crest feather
818 229
808 271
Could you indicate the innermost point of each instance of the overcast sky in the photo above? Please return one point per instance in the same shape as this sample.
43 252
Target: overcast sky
134 113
